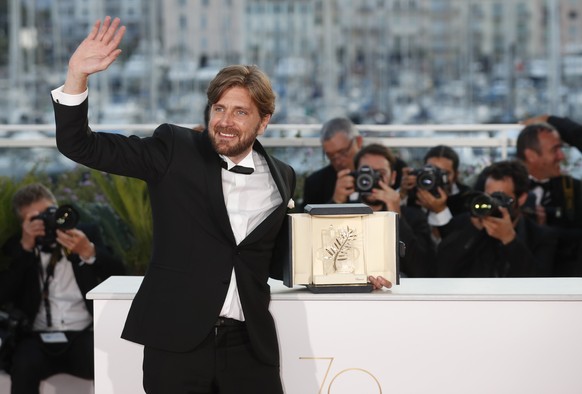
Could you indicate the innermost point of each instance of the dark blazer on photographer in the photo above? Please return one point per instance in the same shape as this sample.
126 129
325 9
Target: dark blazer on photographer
20 285
415 232
194 249
457 203
467 252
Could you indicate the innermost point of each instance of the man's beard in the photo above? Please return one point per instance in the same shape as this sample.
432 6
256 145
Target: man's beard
228 149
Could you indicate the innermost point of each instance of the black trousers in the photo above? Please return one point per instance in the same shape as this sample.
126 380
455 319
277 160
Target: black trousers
34 361
223 363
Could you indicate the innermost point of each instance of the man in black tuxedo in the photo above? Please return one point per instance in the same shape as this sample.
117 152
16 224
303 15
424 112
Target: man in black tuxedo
51 270
219 203
557 198
499 242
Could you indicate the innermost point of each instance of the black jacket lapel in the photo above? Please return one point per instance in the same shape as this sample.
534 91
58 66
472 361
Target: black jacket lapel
212 170
283 185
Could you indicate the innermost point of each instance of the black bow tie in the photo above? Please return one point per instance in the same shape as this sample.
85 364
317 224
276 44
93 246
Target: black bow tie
238 169
544 185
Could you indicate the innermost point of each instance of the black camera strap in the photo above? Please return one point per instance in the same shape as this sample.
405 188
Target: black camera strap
46 277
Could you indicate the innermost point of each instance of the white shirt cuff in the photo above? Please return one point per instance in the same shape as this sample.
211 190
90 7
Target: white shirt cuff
89 261
70 100
403 201
441 218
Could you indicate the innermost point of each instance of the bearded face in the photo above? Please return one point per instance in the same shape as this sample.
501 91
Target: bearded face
231 141
235 123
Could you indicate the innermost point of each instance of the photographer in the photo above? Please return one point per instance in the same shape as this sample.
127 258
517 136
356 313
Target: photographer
494 239
340 140
373 182
444 195
53 266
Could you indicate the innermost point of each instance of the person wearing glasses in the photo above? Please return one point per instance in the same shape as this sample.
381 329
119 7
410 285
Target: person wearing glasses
340 141
333 184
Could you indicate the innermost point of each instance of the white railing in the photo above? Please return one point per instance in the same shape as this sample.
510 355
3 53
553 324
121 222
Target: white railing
499 136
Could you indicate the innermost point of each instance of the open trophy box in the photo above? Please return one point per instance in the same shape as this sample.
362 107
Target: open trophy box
335 247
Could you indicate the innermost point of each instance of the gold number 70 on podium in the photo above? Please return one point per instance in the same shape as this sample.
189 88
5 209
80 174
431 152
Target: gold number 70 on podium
339 373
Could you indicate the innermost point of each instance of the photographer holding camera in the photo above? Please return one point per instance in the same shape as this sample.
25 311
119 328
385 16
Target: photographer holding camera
494 239
436 187
53 265
374 180
333 184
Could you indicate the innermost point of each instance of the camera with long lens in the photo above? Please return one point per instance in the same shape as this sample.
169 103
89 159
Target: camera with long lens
366 179
64 217
483 204
430 178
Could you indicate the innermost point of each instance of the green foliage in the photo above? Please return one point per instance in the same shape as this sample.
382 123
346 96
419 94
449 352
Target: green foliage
129 199
118 205
8 219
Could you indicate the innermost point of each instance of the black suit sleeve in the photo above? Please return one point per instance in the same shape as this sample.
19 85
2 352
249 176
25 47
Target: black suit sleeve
570 131
143 158
13 280
319 187
415 232
469 252
456 251
280 257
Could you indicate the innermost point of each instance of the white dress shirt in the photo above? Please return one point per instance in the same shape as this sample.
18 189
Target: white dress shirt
538 190
249 199
67 305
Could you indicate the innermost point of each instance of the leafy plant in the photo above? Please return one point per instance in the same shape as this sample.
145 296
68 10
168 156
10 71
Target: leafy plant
129 199
118 205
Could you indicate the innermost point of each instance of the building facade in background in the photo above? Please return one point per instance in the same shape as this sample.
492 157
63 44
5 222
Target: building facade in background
377 61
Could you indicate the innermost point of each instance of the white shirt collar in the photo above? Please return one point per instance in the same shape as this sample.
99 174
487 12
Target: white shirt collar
539 180
247 161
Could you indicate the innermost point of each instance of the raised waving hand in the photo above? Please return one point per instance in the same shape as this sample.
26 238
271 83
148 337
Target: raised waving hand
95 53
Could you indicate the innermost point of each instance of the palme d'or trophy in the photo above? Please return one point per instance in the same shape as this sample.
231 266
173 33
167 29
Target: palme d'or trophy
335 247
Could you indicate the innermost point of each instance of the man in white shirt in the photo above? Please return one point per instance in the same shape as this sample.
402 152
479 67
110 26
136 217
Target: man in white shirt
219 204
52 268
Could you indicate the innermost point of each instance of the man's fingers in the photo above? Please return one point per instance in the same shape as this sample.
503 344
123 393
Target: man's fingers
104 28
112 32
94 30
118 36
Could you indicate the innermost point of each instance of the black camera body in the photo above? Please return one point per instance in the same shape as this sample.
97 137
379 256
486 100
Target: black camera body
64 217
483 204
430 178
366 179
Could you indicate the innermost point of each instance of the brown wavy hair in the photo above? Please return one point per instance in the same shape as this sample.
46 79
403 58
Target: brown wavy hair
247 76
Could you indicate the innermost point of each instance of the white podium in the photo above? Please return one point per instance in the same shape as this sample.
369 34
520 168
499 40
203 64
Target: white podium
423 336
